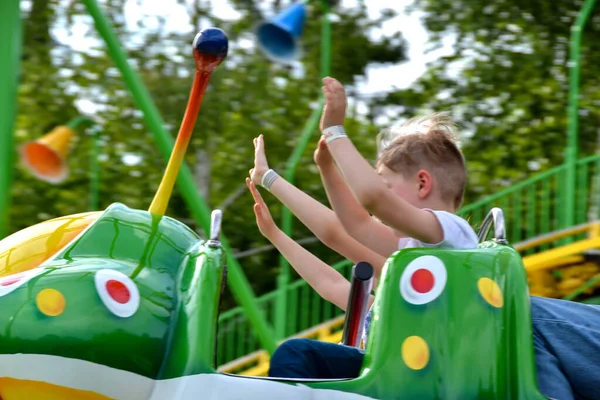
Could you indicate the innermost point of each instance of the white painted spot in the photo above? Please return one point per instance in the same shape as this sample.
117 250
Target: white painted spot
423 280
118 292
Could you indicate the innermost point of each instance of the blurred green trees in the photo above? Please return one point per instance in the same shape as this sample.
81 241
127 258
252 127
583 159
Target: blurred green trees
507 81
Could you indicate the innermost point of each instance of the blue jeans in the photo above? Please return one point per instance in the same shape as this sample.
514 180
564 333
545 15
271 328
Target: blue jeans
566 338
306 358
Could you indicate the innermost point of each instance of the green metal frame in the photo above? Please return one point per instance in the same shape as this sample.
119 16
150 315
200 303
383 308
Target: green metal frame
573 112
312 123
10 54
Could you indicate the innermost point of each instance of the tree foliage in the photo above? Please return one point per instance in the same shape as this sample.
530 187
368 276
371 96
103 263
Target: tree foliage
507 80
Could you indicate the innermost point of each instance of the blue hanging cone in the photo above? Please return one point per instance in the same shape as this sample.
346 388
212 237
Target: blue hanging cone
279 38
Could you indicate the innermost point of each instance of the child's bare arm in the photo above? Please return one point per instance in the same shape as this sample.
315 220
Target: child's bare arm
368 187
352 215
321 220
326 281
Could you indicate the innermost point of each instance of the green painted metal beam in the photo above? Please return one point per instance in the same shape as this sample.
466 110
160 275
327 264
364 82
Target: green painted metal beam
95 169
571 149
10 54
200 210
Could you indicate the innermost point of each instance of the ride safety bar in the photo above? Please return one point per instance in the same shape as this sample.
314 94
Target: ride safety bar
361 285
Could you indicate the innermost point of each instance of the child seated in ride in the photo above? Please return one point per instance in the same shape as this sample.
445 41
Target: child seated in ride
566 334
370 240
422 178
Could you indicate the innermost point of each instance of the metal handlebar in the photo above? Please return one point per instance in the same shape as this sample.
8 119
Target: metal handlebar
496 218
215 228
361 286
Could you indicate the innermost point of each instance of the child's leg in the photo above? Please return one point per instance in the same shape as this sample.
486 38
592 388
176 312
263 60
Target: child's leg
567 348
306 358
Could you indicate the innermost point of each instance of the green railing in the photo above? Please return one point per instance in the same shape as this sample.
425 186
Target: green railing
532 207
537 205
305 308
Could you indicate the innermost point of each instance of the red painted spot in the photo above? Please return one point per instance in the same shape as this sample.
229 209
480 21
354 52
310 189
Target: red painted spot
10 280
118 291
422 280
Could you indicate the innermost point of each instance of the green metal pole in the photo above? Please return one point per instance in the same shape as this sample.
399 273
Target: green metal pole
10 54
573 112
95 170
290 172
200 210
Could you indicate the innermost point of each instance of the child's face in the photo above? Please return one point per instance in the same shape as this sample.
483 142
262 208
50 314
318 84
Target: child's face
407 189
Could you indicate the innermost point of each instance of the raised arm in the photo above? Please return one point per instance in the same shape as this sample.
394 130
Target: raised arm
326 281
321 220
351 214
368 187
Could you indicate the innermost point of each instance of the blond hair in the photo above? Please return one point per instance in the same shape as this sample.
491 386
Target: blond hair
427 142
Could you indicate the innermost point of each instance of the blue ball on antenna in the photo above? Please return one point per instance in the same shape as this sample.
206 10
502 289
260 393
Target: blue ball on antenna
210 48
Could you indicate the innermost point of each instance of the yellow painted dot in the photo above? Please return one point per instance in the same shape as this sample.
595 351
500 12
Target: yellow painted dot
490 291
50 302
415 352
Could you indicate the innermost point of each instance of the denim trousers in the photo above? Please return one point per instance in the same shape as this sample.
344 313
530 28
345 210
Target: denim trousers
566 339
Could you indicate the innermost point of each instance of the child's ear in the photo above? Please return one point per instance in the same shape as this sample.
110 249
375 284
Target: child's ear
425 181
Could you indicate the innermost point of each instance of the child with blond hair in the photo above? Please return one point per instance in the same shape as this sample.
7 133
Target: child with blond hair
416 188
424 149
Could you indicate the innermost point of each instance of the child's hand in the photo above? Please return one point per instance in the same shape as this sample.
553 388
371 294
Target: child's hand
265 222
322 156
335 103
260 161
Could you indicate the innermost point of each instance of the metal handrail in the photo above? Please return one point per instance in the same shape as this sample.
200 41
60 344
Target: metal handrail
496 218
215 228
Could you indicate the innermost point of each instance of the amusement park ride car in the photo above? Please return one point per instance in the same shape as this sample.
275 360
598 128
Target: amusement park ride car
123 304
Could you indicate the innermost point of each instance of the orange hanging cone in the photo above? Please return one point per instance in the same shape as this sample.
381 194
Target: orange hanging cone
46 158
